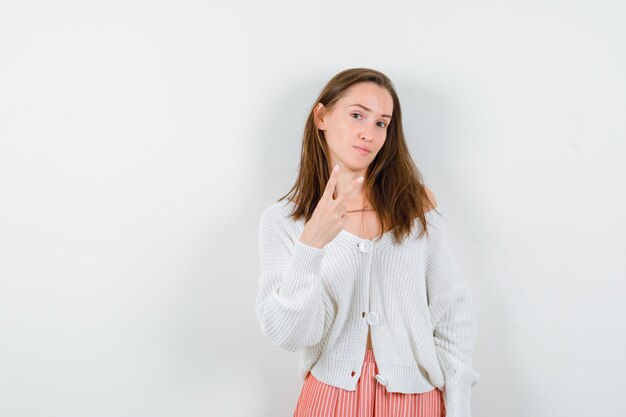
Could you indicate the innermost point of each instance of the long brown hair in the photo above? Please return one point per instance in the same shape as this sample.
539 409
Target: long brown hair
393 183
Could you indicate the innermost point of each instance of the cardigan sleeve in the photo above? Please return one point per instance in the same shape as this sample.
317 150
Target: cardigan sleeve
289 304
453 323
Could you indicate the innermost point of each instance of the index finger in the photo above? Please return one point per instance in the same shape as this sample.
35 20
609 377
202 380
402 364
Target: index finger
351 189
330 185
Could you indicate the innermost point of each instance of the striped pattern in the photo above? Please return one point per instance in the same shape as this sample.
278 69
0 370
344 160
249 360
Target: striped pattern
370 399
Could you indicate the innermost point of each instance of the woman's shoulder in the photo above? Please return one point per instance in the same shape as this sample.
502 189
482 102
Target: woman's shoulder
431 203
279 208
277 213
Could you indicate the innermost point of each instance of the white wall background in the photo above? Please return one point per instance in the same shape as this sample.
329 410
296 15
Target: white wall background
140 141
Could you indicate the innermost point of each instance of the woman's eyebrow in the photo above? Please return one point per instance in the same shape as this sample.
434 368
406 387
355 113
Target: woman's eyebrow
365 108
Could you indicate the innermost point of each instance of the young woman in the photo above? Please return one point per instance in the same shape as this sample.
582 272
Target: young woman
357 272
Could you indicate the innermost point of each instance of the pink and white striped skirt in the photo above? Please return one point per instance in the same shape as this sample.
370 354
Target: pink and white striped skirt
370 399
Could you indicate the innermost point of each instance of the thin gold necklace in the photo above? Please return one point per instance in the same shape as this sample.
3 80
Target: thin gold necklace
363 209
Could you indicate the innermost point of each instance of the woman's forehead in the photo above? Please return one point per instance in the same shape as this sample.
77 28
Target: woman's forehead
370 96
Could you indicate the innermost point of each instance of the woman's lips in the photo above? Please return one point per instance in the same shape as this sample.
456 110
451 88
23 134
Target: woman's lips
361 150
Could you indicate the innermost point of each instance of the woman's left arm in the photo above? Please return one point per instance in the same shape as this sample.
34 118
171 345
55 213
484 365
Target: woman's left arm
453 322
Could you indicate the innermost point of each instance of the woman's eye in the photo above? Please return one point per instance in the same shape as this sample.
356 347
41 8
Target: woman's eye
384 125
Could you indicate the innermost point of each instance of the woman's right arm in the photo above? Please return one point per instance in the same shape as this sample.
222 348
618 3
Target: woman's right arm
289 303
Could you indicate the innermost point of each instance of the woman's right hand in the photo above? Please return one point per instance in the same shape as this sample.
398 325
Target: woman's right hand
326 221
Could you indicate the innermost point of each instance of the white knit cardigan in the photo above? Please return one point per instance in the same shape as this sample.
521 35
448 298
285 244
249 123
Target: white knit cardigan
320 301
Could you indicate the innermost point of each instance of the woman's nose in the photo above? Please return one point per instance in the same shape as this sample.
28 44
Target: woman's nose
367 135
370 131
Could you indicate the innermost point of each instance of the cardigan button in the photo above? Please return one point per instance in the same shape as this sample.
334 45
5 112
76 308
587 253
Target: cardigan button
364 246
372 318
381 380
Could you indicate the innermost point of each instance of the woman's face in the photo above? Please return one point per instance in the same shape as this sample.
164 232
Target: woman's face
359 119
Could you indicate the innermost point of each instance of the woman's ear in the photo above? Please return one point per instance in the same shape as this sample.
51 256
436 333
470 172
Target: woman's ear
318 116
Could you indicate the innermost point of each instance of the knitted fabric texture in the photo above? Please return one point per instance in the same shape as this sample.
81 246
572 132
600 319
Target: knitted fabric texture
321 301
